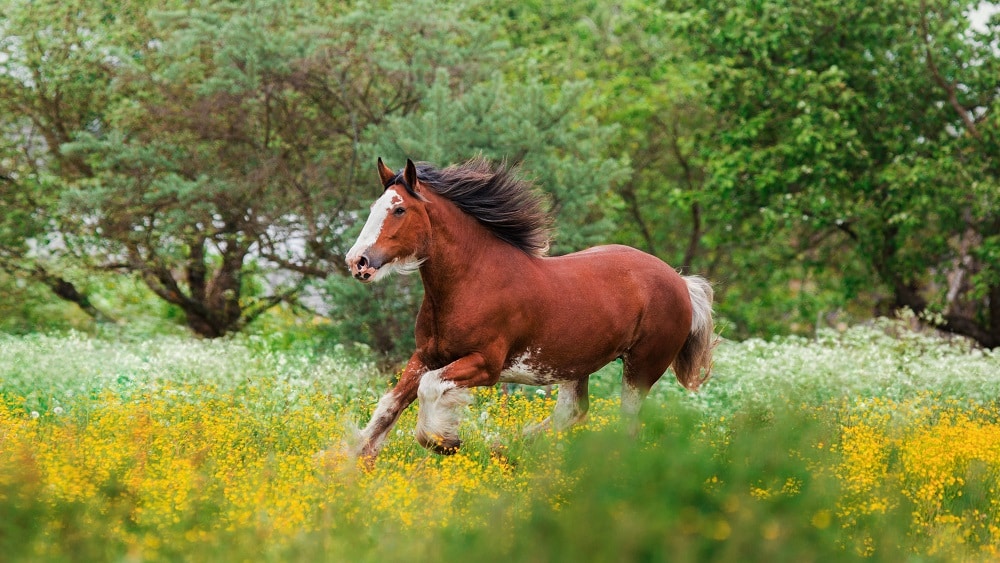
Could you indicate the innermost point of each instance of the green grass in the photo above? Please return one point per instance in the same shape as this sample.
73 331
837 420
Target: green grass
796 450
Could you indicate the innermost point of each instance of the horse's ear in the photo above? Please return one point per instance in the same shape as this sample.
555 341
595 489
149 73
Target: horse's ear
410 175
384 173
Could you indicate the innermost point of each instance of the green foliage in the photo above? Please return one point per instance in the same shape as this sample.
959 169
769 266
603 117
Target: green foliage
814 159
26 307
839 127
676 496
639 80
380 316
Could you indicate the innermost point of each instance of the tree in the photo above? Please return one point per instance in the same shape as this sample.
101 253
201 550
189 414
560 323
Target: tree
199 148
652 86
638 79
214 144
54 80
860 131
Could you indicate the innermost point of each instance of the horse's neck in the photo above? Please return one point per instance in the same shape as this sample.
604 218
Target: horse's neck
463 253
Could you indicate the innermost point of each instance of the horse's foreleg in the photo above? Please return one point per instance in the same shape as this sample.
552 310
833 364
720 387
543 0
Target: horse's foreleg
443 394
390 406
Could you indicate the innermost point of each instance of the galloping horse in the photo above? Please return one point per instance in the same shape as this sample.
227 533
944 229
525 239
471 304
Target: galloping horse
497 309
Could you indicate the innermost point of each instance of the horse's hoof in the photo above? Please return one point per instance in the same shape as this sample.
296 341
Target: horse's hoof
447 447
439 444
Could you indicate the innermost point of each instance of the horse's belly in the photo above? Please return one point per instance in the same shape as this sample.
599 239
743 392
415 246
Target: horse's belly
525 371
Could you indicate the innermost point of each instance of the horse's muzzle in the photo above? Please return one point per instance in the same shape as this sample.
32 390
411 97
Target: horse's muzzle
362 268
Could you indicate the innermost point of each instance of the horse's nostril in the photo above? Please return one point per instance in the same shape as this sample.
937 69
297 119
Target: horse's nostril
362 262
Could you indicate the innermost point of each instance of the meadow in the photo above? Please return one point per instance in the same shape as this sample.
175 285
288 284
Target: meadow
874 443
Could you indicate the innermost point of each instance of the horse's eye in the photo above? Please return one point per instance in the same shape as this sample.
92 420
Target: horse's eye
398 212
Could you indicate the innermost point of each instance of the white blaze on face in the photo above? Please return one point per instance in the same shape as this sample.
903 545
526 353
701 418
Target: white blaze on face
373 227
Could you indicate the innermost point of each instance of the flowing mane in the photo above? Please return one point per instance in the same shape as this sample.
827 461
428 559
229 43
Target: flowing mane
492 193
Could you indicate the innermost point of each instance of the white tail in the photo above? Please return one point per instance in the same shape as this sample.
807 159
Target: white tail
696 354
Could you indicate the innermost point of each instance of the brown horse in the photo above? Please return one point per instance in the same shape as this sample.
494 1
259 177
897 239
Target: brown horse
497 309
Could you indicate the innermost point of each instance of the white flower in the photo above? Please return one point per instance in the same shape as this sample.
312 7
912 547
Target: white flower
57 410
34 414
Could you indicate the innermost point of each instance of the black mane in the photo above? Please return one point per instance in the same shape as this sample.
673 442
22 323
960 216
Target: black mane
506 205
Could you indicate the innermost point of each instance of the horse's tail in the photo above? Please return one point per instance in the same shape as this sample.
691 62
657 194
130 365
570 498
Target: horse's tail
696 354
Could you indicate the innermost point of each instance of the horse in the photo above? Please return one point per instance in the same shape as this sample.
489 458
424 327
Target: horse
496 308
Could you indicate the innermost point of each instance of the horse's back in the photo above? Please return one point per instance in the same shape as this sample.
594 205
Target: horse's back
617 269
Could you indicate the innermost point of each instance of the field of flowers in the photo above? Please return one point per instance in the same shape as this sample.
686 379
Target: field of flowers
876 443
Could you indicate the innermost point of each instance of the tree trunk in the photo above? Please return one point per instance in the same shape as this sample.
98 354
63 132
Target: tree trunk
204 327
994 317
908 296
959 321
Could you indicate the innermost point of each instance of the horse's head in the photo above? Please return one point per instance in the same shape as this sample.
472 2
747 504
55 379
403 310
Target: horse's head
395 236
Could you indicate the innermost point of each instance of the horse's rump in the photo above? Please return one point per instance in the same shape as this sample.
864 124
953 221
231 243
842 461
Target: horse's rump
583 310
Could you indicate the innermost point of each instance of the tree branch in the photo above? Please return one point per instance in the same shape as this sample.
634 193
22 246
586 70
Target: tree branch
948 87
66 290
628 194
695 237
845 227
251 312
306 269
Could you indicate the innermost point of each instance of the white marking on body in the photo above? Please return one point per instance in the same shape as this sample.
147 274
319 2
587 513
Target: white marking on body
526 372
441 407
373 226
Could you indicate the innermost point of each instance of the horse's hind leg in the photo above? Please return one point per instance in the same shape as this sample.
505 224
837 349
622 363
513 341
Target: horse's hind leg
641 369
572 403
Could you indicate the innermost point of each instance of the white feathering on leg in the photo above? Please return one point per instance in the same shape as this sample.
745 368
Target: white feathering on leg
442 404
